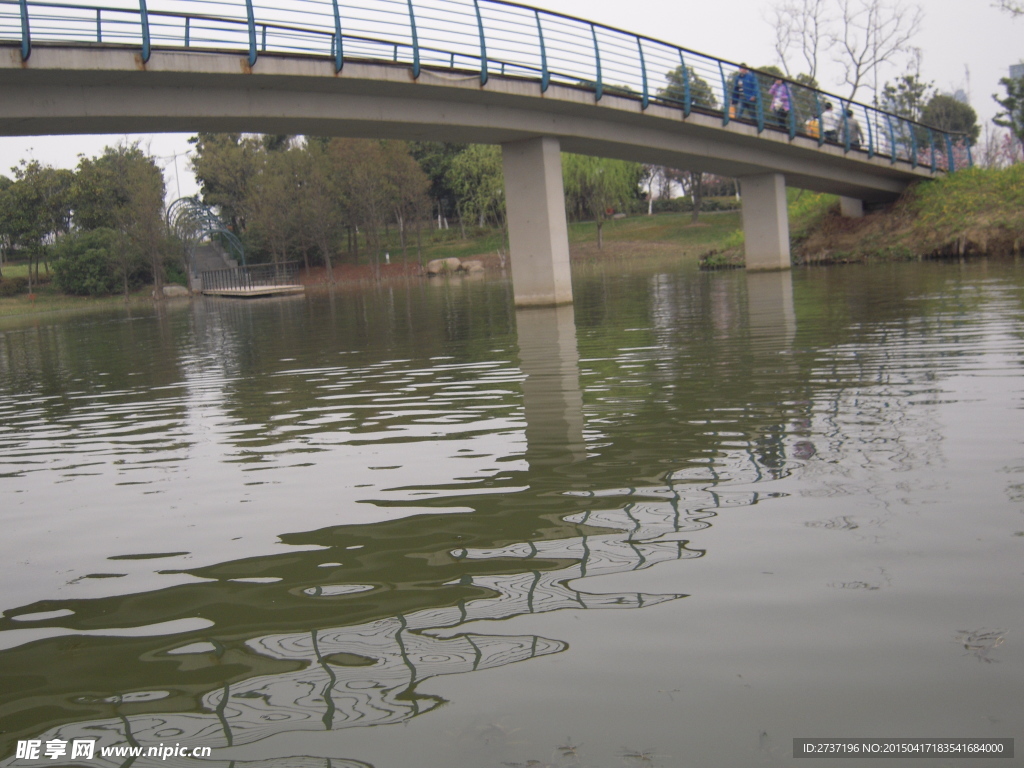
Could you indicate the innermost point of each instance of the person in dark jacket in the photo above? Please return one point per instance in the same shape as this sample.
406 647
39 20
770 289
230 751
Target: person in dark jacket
744 94
852 130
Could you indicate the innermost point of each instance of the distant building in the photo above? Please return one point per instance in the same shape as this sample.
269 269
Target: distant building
961 95
1016 71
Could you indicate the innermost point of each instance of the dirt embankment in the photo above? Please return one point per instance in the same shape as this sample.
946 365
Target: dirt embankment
894 234
977 212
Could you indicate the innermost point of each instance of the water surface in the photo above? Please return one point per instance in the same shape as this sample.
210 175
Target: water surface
683 522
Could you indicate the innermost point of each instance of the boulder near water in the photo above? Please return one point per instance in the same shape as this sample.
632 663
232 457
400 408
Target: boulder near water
447 266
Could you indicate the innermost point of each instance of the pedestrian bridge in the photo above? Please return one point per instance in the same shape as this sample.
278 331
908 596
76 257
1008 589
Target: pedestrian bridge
478 71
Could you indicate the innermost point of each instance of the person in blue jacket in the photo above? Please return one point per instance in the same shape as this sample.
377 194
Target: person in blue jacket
744 94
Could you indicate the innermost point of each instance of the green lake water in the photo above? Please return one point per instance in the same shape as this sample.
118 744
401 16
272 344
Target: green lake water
681 523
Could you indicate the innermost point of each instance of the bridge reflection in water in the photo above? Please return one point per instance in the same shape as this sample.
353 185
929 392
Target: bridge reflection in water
368 672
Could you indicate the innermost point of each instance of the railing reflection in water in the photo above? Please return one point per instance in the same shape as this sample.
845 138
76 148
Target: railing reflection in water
367 673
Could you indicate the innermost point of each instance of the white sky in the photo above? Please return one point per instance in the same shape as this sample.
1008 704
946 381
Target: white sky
958 35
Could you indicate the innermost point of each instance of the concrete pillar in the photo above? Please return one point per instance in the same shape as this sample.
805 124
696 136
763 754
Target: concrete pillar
537 232
851 207
765 222
552 397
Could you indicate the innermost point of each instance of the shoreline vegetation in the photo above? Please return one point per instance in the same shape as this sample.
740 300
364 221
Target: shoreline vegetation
669 235
974 212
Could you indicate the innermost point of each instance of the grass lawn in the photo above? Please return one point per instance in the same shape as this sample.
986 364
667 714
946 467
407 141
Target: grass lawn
46 298
17 270
51 301
639 232
670 235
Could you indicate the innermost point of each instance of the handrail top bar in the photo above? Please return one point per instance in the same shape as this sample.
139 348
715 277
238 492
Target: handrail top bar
676 47
508 3
242 22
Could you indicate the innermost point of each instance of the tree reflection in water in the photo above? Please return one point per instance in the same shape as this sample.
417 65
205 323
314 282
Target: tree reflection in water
315 677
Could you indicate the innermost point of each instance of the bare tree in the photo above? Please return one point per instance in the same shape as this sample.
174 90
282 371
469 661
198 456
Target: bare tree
870 34
801 28
1012 7
650 177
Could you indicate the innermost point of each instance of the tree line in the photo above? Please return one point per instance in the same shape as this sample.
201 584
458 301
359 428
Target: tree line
318 199
100 227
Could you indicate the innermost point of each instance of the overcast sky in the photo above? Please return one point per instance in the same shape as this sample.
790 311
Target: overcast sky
959 36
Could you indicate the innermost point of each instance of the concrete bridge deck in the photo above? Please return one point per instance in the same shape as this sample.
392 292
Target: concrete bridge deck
73 83
102 89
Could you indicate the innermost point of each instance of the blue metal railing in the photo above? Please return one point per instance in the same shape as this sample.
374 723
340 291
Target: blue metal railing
485 37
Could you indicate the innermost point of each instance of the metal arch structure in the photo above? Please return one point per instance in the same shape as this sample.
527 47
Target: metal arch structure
192 222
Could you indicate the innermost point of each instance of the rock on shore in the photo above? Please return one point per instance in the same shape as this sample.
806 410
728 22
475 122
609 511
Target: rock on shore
452 265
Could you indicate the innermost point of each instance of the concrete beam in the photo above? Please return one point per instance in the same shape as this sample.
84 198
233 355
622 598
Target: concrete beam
765 222
537 232
98 89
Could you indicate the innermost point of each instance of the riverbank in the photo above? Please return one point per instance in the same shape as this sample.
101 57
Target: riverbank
969 213
48 299
977 212
634 238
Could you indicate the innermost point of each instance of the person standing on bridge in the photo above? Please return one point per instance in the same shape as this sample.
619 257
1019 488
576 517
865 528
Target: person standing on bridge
852 131
744 94
830 123
781 103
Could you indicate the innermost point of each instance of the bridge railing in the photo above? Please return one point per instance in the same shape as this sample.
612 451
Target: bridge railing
481 39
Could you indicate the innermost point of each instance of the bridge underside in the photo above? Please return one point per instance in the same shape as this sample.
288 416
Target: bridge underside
103 89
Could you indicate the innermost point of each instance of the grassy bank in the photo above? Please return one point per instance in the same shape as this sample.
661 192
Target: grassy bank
972 212
674 232
46 297
969 213
664 235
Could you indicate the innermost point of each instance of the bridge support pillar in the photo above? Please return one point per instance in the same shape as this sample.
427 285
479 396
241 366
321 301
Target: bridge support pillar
765 222
851 207
537 232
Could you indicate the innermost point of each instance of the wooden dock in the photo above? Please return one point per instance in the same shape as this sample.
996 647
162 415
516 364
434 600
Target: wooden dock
256 291
250 282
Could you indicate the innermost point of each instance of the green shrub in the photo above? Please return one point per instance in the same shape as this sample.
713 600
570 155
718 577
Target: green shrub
174 273
713 260
685 205
734 240
86 263
13 286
